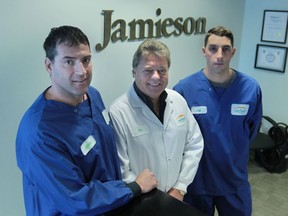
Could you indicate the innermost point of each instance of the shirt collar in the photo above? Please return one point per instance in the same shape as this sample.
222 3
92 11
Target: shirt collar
147 100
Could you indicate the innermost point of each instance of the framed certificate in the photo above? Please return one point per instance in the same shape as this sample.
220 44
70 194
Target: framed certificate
271 58
274 27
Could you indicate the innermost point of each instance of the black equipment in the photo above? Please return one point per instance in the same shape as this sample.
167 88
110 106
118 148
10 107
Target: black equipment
274 155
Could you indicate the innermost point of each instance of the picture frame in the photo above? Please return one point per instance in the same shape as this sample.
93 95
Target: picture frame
274 27
272 58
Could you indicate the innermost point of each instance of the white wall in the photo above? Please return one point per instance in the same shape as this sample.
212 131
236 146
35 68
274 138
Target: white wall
274 84
25 24
115 77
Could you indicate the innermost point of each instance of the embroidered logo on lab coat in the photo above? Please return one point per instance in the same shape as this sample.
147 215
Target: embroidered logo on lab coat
88 144
180 119
140 130
239 109
199 109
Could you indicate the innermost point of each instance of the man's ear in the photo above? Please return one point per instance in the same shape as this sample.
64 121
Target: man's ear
233 51
203 51
48 65
133 73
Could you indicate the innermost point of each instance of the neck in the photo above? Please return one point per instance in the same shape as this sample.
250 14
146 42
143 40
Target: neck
73 101
222 77
156 107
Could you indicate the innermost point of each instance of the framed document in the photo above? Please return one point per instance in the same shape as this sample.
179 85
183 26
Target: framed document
274 27
271 58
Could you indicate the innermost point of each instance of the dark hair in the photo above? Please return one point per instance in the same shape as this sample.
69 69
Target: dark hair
151 46
71 36
219 31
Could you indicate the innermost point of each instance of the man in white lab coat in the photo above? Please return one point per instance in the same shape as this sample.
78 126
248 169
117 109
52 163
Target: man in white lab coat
153 125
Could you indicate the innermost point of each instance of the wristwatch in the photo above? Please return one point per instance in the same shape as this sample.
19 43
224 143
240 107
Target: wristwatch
181 192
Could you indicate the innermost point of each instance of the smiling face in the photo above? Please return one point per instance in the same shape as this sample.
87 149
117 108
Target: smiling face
151 75
70 72
218 53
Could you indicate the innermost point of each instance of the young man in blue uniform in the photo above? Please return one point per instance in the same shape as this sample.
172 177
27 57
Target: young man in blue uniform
65 147
227 105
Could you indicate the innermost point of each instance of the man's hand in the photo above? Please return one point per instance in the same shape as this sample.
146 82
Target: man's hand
175 193
147 181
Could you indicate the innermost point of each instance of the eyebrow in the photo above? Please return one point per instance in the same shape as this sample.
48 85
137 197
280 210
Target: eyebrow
70 57
219 46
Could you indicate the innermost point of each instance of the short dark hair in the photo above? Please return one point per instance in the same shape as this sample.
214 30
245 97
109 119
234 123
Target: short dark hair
70 35
219 31
151 46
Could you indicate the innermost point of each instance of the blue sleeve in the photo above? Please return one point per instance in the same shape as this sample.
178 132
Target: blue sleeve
55 175
256 116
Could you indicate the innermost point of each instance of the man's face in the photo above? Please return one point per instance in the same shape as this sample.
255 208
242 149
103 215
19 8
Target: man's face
70 72
151 75
218 53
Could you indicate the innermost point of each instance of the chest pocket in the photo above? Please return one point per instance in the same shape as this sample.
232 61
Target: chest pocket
140 130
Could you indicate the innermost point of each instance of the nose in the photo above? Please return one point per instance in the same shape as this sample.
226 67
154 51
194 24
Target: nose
155 74
219 53
79 68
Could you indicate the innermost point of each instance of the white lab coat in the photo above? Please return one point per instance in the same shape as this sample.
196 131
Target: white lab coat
171 150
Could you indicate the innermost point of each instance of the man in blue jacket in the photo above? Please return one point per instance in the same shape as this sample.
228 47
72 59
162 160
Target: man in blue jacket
65 146
227 105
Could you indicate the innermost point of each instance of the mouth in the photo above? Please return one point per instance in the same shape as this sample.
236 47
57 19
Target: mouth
154 84
219 63
79 81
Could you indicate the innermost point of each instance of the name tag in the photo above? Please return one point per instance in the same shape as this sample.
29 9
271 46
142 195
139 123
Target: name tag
199 110
140 130
88 144
239 109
